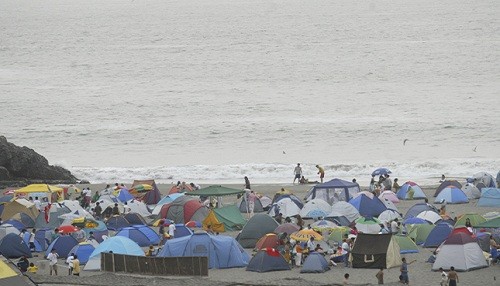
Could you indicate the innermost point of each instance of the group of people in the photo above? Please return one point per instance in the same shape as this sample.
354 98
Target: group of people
299 177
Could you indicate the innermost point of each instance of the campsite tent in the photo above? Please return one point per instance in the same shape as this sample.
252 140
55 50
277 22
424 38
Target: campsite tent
461 251
63 244
389 215
270 240
25 219
451 195
83 251
471 191
314 208
49 217
19 206
222 251
333 191
429 216
243 206
483 179
12 246
44 192
148 196
225 218
268 259
137 236
10 277
420 232
475 219
138 207
370 207
492 223
165 200
184 209
116 244
117 222
438 234
490 197
368 224
445 184
410 191
6 229
315 263
375 251
255 228
406 244
389 195
418 208
135 219
288 205
287 228
346 209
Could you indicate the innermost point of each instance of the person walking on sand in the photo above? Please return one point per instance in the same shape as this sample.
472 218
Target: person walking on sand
444 277
321 173
247 183
52 257
298 173
76 266
380 276
251 202
452 277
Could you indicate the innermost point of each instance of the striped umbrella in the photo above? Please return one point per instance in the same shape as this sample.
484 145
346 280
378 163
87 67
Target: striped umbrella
305 235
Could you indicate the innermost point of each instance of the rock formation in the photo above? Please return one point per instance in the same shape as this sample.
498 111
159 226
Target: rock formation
24 164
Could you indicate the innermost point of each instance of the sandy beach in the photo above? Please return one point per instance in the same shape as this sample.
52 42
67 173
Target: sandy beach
420 271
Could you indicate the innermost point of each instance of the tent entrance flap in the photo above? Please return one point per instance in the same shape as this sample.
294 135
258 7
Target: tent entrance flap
369 258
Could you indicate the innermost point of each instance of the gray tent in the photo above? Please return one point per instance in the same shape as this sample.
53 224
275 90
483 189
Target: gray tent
255 228
375 251
54 221
242 205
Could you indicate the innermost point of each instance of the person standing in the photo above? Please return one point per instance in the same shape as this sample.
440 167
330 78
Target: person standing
76 266
251 202
380 276
444 277
171 230
247 183
115 210
38 204
298 173
452 277
98 211
69 261
404 278
396 186
345 252
31 240
52 257
321 173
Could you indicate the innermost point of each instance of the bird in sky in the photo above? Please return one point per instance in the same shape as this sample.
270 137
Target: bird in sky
474 149
284 152
404 141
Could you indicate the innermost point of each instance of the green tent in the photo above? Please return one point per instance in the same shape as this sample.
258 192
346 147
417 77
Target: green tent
420 232
406 244
229 216
215 191
475 219
492 223
337 234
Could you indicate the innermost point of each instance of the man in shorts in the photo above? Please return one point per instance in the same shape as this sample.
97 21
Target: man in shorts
52 257
298 173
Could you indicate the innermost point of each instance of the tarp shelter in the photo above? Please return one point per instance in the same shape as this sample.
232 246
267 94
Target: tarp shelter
224 219
287 205
418 208
9 277
116 244
445 184
461 251
165 200
490 197
346 209
44 192
313 205
410 191
406 244
333 191
369 207
222 251
13 246
19 206
451 195
184 209
255 228
149 197
375 251
315 263
438 234
83 251
266 260
63 244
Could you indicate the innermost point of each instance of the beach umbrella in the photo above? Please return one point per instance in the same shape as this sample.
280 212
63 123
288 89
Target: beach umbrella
142 188
430 216
305 235
368 225
287 228
323 225
381 171
66 229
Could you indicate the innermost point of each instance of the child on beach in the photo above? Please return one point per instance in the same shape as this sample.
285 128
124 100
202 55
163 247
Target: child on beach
346 279
32 268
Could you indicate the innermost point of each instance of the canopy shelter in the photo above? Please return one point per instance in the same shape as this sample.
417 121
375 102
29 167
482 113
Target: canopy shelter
333 191
44 192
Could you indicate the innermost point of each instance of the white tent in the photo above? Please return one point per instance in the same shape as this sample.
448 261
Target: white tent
285 206
471 191
315 204
429 216
389 215
345 209
461 251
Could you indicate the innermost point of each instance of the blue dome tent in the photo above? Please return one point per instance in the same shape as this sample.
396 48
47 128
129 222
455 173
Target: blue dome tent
83 251
63 244
405 192
451 195
368 207
438 235
12 246
314 263
115 244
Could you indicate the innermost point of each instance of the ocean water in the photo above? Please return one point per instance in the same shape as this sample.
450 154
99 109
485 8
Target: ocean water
213 90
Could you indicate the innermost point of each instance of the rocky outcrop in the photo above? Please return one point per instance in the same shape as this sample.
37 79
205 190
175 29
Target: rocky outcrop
24 164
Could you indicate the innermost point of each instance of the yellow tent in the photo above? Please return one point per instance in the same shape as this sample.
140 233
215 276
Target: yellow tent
52 193
10 277
19 206
212 221
6 271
